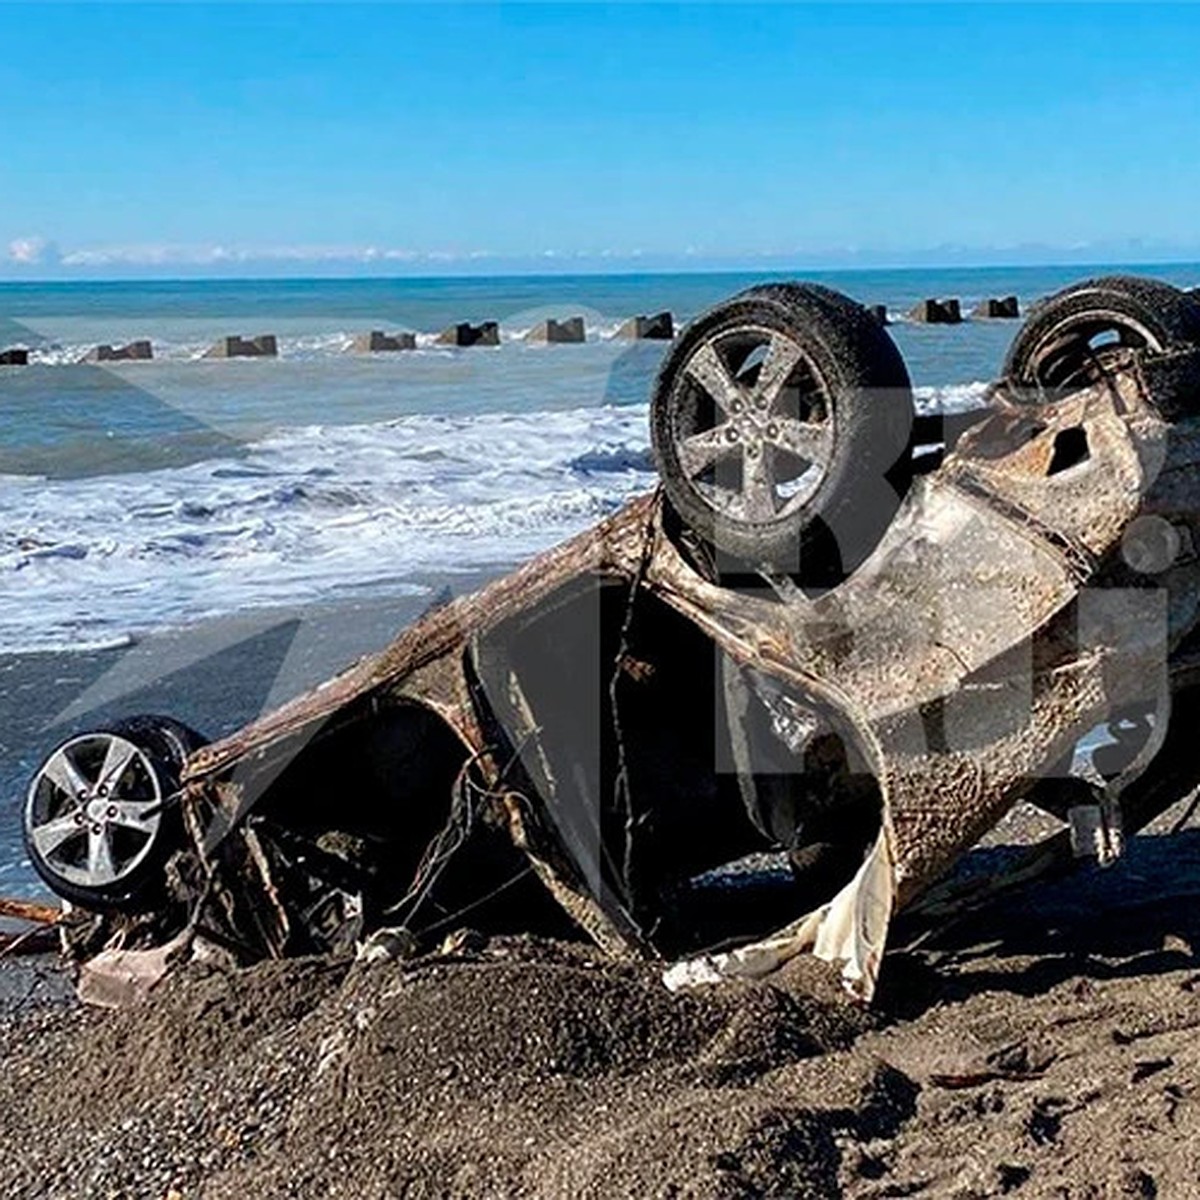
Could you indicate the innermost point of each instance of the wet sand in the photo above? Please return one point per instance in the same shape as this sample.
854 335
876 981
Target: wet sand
214 676
1045 1047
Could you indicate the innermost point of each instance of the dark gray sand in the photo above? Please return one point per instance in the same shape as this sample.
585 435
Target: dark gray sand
1047 1047
214 676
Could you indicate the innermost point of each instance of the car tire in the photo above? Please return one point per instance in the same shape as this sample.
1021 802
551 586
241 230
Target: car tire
98 821
781 425
1064 344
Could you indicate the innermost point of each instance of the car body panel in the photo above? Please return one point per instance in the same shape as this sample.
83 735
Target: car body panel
622 719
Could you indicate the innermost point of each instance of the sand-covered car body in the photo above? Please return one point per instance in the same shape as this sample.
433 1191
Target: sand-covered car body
601 734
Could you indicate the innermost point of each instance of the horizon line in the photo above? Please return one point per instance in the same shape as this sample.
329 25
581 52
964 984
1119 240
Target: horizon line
629 272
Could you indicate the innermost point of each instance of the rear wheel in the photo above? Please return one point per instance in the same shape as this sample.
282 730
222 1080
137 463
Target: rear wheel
100 818
1072 338
781 425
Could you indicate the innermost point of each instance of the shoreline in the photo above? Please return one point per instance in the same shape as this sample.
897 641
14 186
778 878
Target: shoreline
214 675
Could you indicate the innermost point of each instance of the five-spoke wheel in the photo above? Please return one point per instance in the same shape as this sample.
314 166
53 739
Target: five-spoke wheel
781 415
754 455
98 818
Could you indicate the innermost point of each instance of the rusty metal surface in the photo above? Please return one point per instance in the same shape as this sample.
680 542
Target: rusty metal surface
30 910
612 547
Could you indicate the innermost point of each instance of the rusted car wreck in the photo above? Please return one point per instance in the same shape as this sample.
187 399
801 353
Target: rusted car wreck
838 632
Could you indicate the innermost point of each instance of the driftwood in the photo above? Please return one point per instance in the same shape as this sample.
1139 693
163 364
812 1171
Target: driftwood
42 935
30 910
37 940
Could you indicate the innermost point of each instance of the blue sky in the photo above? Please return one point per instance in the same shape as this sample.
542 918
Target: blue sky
404 138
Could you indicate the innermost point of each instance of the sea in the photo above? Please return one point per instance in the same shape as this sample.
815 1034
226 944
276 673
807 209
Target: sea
140 500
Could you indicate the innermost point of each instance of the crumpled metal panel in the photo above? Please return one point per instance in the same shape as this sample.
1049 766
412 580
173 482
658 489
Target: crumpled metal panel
928 651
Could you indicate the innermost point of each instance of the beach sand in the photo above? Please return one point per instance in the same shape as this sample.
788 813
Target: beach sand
1045 1047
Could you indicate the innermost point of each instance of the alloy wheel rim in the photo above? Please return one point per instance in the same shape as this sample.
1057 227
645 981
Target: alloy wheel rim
94 810
753 425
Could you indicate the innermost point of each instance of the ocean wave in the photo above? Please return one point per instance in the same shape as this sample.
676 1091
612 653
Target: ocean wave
949 398
304 513
303 347
73 644
312 511
614 458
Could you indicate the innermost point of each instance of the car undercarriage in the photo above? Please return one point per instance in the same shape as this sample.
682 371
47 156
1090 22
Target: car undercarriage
755 713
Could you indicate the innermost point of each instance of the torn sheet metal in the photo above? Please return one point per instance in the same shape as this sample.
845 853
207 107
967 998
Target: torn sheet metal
849 932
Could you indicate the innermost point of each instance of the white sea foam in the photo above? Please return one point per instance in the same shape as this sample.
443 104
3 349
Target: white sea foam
305 347
302 347
955 397
312 511
605 330
73 644
303 515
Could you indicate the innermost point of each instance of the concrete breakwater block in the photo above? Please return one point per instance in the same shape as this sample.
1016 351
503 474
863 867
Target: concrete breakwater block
14 358
937 312
263 346
557 332
466 334
880 313
140 351
1006 308
378 342
659 327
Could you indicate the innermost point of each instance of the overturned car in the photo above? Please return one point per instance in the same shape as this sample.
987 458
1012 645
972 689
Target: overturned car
839 633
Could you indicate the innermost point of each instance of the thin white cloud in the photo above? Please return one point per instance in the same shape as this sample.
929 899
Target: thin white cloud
31 251
222 257
40 254
152 255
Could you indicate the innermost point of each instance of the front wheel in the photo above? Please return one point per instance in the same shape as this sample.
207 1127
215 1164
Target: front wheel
781 424
100 818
